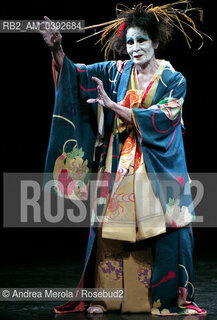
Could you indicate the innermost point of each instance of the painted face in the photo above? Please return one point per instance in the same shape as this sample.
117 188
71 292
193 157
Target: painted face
139 46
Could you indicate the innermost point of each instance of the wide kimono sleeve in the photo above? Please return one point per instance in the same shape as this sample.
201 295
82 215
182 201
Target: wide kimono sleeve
159 130
157 124
75 122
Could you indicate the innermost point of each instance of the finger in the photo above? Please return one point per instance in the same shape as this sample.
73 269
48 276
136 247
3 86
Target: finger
51 31
98 81
100 90
45 27
41 28
92 100
48 23
39 31
47 19
42 25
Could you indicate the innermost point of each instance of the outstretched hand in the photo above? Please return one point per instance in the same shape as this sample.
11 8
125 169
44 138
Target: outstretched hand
52 36
103 99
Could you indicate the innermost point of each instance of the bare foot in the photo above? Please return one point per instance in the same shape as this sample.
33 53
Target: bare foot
95 309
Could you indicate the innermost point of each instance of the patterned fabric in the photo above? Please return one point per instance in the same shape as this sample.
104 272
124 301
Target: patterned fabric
121 264
172 280
134 212
158 128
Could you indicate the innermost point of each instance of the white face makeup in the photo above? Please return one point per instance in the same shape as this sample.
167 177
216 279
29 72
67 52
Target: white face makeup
139 46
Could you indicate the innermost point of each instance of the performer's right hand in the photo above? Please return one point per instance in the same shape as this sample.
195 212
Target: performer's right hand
52 36
53 39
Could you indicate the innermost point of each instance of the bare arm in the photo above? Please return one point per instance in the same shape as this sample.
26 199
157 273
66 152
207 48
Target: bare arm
58 56
53 39
123 112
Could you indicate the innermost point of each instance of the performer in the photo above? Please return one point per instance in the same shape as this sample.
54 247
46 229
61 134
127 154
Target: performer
131 113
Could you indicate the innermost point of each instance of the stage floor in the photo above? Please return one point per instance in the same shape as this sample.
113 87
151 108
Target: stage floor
57 274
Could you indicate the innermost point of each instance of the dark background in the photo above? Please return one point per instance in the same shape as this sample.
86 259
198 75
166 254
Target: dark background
28 99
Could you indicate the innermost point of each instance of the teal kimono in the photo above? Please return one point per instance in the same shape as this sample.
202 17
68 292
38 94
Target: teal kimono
159 132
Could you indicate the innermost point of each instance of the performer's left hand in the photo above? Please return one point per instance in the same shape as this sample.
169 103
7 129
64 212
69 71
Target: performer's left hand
103 99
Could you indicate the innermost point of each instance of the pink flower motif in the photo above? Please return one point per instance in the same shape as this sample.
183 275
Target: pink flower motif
62 157
65 183
174 225
180 180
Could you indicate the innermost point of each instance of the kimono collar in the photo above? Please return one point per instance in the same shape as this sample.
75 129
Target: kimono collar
125 78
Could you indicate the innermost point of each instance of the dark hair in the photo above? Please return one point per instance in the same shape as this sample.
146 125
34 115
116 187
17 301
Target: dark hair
159 31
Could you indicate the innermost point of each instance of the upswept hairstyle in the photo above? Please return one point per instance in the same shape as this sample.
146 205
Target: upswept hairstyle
159 32
158 22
